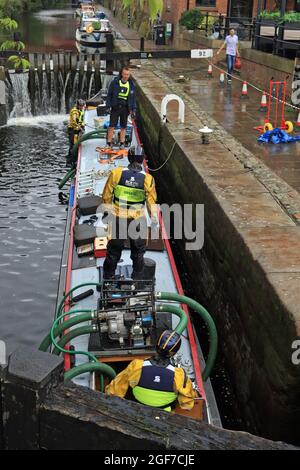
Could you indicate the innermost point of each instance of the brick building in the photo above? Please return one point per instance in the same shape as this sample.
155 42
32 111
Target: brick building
234 8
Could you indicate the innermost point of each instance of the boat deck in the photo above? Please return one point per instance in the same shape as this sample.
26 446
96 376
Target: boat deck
91 178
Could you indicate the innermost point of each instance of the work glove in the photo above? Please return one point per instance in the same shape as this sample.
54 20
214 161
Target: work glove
154 229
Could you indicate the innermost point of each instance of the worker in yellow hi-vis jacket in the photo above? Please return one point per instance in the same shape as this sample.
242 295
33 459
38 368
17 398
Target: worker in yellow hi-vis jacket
76 123
155 382
126 193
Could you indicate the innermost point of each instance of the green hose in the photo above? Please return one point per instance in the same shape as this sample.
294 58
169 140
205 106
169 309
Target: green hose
97 134
71 173
82 330
213 334
87 316
75 352
88 368
86 284
176 311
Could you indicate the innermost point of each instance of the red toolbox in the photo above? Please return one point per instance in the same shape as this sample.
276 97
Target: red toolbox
100 247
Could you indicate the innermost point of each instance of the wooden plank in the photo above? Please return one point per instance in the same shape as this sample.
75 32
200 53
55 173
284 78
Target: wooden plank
78 418
39 61
47 61
74 61
31 60
61 61
97 62
55 60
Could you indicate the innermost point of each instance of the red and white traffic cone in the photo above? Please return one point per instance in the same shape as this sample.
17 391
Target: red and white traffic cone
210 70
298 121
245 91
263 103
222 78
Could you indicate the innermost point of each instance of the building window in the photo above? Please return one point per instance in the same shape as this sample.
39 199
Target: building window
206 3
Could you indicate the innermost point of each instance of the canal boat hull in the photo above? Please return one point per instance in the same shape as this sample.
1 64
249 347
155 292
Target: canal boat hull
76 271
93 40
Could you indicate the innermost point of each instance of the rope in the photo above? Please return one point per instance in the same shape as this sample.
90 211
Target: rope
166 161
255 87
172 150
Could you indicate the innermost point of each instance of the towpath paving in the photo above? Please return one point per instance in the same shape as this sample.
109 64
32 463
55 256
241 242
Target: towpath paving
238 116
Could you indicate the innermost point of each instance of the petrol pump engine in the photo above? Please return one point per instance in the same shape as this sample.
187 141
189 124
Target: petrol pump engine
126 316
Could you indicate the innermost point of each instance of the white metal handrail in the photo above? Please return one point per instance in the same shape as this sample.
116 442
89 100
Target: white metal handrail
167 99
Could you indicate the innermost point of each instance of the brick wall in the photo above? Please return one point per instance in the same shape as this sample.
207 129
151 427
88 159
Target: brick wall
174 9
290 5
222 6
258 68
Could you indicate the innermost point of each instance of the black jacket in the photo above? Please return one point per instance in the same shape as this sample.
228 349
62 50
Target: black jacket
113 91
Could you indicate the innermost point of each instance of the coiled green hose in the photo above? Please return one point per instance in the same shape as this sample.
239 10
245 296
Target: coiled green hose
176 311
97 134
206 317
86 284
71 173
81 331
87 316
88 368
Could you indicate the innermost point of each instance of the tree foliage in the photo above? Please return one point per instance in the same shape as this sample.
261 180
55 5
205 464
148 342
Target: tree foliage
7 26
154 6
191 19
9 10
13 8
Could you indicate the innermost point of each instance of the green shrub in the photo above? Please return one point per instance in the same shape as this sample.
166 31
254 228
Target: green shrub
191 19
270 15
291 17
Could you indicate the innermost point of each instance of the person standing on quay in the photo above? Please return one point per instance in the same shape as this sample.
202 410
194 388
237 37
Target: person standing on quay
232 51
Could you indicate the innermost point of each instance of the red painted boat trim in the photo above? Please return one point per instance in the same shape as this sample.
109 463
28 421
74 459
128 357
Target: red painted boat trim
193 345
67 358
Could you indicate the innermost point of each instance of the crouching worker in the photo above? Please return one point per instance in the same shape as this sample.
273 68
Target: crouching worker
155 382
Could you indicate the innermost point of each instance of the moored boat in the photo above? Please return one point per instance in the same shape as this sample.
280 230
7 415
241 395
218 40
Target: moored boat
87 7
92 31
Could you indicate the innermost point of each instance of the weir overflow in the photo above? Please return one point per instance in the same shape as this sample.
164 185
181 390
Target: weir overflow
54 82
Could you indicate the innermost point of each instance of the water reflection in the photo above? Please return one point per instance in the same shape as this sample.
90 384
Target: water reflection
49 30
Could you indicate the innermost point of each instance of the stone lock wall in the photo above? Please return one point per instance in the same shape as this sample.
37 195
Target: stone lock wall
235 276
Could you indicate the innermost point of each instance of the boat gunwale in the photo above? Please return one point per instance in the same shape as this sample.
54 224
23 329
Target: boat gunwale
192 340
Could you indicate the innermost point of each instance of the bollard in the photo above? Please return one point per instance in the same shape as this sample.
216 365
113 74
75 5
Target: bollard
205 133
263 103
244 91
222 78
298 120
210 71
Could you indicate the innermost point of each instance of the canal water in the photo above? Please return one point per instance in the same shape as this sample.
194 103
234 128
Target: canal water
32 221
49 30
